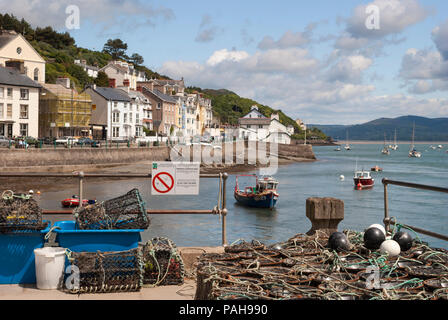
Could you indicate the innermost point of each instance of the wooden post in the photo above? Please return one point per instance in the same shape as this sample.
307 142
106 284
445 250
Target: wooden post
325 214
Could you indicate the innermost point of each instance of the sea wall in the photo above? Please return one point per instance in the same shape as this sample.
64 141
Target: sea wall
88 156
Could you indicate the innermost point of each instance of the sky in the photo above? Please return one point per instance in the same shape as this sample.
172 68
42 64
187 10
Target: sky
325 62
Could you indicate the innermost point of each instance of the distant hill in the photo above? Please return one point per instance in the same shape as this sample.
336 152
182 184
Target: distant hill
426 129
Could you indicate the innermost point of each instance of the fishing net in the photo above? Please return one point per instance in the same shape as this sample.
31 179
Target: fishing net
102 272
162 263
20 212
125 212
304 267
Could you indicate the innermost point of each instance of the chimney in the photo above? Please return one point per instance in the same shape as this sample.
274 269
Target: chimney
16 64
112 83
126 82
65 82
94 86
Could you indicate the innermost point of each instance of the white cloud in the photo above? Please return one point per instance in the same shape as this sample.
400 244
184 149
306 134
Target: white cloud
108 13
224 55
395 16
440 37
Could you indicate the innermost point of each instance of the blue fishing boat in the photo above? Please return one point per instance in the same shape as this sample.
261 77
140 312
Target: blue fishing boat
263 195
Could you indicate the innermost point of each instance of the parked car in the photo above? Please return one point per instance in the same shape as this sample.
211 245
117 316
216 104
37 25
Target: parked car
89 142
5 140
47 140
67 141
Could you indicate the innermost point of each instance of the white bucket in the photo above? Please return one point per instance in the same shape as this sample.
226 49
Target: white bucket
50 262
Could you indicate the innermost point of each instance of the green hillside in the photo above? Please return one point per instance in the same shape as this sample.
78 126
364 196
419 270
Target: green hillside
426 129
60 51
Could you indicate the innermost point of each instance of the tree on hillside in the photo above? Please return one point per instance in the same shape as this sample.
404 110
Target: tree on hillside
136 59
102 80
116 48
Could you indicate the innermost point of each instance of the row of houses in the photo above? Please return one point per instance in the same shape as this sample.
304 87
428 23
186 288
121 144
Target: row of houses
128 108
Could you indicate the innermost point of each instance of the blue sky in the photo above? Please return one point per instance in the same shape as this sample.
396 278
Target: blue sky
311 59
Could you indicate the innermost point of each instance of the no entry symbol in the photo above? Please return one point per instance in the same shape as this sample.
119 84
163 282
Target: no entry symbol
163 182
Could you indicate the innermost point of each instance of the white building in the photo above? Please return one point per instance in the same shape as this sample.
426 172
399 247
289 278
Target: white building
117 113
140 112
123 74
255 126
92 71
14 48
19 104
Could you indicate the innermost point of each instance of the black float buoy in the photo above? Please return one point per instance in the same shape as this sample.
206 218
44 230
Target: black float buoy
373 238
404 239
338 241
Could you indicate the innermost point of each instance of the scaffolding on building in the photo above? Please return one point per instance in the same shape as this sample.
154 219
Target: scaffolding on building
64 112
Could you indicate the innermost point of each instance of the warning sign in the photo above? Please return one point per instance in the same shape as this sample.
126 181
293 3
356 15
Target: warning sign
175 178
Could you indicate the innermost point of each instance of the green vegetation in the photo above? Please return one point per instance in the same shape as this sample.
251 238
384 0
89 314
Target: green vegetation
426 129
59 51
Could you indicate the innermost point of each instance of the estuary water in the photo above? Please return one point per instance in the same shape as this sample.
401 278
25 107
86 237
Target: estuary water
298 181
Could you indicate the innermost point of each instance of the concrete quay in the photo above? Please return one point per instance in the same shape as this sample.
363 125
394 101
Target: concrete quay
185 291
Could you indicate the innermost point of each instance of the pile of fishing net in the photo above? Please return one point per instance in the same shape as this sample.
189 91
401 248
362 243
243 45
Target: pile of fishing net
304 267
125 212
162 263
102 272
19 212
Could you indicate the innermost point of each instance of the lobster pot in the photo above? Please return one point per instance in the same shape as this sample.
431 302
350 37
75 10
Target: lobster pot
124 212
18 213
162 263
101 272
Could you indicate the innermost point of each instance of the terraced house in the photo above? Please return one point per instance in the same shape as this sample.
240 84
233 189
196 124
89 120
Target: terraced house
19 104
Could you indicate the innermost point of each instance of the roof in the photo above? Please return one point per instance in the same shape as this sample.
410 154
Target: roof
137 94
60 91
5 37
13 77
161 96
256 121
112 94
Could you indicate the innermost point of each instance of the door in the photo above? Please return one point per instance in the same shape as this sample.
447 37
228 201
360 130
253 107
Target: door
9 134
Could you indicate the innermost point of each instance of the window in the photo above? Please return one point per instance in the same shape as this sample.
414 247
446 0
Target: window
260 126
2 92
138 131
115 117
125 118
159 105
1 112
24 129
130 117
115 132
23 111
24 94
115 104
137 118
9 93
248 126
36 74
9 111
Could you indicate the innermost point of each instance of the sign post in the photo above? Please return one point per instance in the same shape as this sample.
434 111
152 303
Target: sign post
175 178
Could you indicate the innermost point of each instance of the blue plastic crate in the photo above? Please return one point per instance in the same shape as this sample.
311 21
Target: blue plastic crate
17 265
69 236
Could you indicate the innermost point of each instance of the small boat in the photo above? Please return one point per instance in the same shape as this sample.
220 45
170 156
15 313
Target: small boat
395 145
363 180
413 153
337 149
263 195
74 202
433 148
347 145
440 146
385 150
376 169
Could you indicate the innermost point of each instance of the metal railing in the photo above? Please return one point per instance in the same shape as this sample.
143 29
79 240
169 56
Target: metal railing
388 221
220 209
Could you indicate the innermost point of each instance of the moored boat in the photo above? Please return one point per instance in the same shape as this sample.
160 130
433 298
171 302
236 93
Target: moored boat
363 180
74 202
376 169
263 195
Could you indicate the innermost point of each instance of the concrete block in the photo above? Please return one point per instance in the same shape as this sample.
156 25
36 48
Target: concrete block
325 214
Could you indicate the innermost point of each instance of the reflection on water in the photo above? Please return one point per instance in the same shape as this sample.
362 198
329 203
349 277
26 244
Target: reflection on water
297 183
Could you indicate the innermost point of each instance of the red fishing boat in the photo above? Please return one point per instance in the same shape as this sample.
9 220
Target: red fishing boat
74 202
363 180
